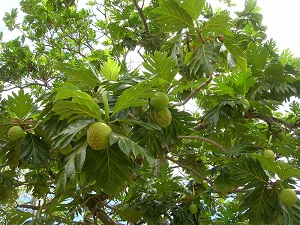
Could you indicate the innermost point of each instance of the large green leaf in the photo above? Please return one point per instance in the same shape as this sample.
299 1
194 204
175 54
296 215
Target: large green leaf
248 171
193 7
134 96
77 109
109 168
203 57
75 160
20 104
110 69
161 65
172 16
260 205
34 150
293 213
83 77
63 138
220 24
233 47
127 145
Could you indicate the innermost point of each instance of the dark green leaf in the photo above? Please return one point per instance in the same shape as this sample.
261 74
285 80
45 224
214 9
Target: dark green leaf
34 150
248 171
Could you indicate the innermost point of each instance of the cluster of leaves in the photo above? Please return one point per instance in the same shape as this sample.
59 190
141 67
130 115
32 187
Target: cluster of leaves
71 67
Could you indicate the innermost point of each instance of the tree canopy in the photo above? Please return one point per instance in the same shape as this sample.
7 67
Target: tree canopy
147 112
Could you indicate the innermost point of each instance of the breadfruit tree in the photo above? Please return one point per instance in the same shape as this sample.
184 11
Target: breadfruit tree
146 112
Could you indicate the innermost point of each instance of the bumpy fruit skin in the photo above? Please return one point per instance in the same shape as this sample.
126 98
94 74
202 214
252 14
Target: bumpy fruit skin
15 133
244 105
98 135
160 101
162 117
288 197
193 209
66 150
270 154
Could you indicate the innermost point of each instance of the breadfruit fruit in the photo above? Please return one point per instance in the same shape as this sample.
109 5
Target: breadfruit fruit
98 135
193 209
15 133
160 101
288 197
66 150
270 154
162 117
244 105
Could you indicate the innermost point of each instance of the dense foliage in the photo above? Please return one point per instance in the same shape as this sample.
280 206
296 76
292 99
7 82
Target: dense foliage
196 157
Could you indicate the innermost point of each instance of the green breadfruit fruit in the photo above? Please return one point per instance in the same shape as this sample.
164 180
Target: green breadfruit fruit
66 150
270 154
160 101
98 135
162 117
244 105
288 197
15 133
193 209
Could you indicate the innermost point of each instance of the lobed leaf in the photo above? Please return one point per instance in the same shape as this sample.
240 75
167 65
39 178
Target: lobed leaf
172 16
20 104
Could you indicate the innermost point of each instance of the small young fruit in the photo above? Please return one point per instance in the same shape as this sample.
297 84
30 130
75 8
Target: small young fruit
288 197
193 209
98 135
162 117
66 150
15 133
270 154
204 184
160 101
244 105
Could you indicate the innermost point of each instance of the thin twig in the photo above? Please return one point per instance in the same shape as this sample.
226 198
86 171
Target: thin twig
194 92
188 168
140 11
203 139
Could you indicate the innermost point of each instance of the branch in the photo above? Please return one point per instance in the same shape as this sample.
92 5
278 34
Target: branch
140 11
105 219
23 86
193 93
188 168
33 207
274 119
203 139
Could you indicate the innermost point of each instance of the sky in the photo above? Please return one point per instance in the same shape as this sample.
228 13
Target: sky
280 17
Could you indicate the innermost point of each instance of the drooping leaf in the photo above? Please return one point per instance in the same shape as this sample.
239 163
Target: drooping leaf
204 57
110 69
172 16
248 171
286 171
34 150
75 160
109 168
14 217
128 146
20 104
63 138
